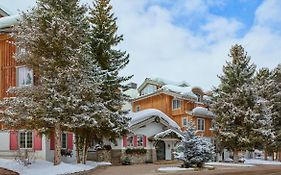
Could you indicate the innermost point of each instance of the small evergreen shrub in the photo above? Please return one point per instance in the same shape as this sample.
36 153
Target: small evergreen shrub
136 151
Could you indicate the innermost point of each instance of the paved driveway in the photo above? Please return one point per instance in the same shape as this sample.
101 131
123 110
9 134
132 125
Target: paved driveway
151 169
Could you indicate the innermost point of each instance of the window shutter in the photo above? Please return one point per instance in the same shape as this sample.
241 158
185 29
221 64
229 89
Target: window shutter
52 141
124 141
135 141
144 141
13 140
70 141
37 141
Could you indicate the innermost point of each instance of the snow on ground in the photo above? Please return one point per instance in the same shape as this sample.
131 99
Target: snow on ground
247 163
174 169
47 168
261 162
228 164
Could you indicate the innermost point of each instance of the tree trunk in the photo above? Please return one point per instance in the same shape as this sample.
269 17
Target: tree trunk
85 151
279 157
78 157
57 153
235 156
265 155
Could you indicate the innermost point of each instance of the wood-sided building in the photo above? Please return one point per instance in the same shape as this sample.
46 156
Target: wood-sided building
179 101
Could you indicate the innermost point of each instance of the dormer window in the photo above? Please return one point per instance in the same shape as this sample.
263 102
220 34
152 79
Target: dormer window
148 89
24 76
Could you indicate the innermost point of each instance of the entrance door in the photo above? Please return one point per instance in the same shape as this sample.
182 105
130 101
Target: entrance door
160 150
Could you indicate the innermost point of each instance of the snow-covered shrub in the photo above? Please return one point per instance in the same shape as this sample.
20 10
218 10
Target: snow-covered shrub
193 150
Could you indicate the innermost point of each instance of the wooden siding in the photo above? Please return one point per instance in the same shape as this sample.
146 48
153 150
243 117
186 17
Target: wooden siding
163 102
7 65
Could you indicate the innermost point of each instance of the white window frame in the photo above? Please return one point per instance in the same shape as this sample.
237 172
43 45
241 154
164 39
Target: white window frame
18 84
201 124
25 139
130 143
177 104
65 141
184 118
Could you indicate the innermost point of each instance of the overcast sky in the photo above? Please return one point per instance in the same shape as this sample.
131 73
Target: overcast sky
189 40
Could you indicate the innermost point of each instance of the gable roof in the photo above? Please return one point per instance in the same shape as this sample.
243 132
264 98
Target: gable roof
142 116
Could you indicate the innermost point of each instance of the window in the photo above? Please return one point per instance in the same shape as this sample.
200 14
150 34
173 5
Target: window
24 76
25 139
140 140
184 121
130 141
176 104
148 89
200 124
63 140
137 108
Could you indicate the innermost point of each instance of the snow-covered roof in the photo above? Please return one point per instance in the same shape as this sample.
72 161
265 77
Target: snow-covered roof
166 133
165 82
201 111
186 91
9 21
137 117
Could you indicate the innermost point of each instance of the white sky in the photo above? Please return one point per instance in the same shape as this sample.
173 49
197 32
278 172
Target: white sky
160 48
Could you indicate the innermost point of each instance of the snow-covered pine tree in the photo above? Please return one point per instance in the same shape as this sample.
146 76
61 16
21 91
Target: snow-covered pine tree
275 105
51 39
234 102
264 136
193 150
104 40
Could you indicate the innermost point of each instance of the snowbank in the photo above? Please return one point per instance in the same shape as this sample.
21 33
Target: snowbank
174 169
228 164
47 168
148 113
261 162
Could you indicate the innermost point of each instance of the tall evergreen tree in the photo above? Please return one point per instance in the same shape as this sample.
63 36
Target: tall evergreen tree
104 40
234 102
52 41
274 87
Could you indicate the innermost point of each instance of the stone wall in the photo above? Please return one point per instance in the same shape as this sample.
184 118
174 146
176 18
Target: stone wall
139 158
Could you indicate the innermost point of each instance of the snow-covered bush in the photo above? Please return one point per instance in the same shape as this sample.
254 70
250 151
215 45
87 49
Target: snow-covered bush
193 150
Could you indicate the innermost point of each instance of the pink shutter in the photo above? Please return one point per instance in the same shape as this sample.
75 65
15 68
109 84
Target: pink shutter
13 140
52 141
124 141
70 140
37 141
144 141
135 141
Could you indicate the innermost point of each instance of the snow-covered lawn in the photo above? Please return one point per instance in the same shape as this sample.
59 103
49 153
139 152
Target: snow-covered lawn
247 163
228 164
47 168
261 162
173 169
